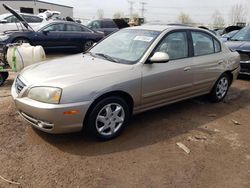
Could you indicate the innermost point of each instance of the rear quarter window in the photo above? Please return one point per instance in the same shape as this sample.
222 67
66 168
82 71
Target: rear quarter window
217 46
203 43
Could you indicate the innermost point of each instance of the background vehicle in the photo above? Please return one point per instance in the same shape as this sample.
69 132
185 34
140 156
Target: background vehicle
107 26
228 36
131 71
240 42
54 35
10 22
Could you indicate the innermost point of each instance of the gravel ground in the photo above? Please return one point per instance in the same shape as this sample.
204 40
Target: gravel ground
145 155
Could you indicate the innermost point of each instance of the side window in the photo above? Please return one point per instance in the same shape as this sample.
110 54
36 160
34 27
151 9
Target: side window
12 19
73 28
109 24
32 19
203 43
55 27
95 25
217 47
175 45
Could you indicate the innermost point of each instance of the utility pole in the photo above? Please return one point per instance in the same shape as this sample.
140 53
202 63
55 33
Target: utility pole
131 7
143 10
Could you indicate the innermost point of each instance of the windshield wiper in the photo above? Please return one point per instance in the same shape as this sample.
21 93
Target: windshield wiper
90 53
107 57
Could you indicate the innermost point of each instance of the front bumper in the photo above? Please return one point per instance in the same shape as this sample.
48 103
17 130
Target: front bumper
50 118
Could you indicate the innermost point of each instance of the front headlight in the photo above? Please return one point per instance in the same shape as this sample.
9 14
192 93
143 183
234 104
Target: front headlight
49 95
4 37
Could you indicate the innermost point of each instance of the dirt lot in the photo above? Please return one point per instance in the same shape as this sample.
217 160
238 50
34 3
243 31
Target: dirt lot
146 154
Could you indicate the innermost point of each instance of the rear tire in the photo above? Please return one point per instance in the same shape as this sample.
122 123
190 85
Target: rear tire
220 88
108 118
87 45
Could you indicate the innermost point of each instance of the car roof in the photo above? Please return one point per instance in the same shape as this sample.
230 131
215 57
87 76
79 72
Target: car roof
44 24
161 27
9 14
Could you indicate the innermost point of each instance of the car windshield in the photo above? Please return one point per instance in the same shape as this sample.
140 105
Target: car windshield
125 46
242 35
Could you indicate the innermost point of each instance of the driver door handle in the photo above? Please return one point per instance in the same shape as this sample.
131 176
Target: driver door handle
186 69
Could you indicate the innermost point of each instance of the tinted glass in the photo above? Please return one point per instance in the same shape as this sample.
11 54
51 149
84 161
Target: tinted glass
32 19
203 43
108 24
175 45
55 27
73 28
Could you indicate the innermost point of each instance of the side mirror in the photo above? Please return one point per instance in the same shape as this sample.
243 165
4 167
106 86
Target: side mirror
45 32
3 21
159 57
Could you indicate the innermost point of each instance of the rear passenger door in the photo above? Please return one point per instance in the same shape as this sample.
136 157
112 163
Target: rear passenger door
76 36
207 61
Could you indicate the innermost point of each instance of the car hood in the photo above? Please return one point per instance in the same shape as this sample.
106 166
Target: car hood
243 46
18 16
69 70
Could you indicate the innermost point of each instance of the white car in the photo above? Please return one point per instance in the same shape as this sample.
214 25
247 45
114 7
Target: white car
9 22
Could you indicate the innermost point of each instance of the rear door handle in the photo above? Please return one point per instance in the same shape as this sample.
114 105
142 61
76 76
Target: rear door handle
187 69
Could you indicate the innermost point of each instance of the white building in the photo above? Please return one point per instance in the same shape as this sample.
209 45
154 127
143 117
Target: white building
35 7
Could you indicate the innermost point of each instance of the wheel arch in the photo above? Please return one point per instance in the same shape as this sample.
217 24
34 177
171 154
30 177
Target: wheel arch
21 37
124 95
230 75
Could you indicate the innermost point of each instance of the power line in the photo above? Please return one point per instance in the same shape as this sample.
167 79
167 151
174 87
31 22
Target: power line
143 8
131 8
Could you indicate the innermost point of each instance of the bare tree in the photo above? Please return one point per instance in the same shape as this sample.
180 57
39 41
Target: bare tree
118 15
238 14
184 18
100 13
135 16
218 20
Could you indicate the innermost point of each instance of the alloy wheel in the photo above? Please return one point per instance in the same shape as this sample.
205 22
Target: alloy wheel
222 87
110 119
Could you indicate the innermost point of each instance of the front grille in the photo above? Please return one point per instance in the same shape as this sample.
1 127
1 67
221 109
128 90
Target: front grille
245 67
19 85
244 56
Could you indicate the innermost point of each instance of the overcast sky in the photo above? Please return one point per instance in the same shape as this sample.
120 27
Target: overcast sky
163 10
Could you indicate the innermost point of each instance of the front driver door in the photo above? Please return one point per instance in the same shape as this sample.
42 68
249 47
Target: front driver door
171 81
51 36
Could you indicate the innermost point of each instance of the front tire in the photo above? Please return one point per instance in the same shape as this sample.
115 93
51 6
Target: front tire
108 118
220 88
